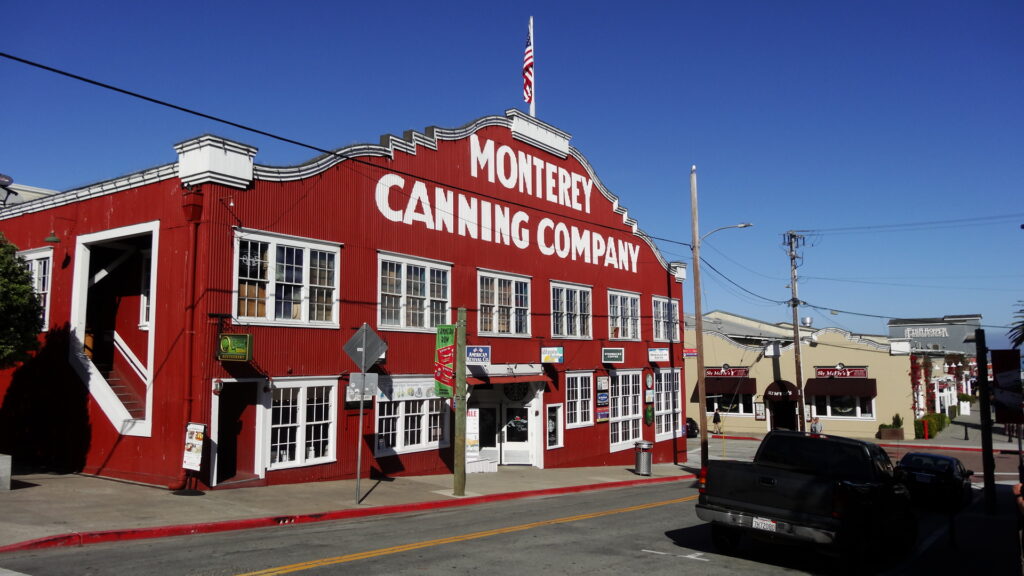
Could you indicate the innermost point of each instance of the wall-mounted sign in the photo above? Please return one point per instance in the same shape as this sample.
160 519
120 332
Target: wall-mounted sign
723 372
552 355
759 411
478 355
657 355
361 386
234 347
820 372
601 415
602 398
604 382
689 352
613 355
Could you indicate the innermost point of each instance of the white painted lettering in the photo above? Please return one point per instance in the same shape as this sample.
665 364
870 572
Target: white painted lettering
384 186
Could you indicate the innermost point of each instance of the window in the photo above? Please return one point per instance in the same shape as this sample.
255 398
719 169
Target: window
579 400
414 293
504 304
570 311
732 403
144 290
844 406
302 422
625 410
555 434
623 316
39 265
666 319
286 280
668 415
410 417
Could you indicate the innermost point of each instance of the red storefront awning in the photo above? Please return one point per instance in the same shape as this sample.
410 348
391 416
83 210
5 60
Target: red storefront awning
862 387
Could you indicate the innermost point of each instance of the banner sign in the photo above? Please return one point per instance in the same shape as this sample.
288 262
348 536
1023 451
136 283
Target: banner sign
552 355
444 361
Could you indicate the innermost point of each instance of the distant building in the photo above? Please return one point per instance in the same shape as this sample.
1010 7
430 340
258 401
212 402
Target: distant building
944 357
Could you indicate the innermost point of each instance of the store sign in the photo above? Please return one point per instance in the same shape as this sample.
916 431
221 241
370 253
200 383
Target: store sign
361 386
689 352
234 347
724 372
417 203
478 355
552 355
613 355
657 355
841 372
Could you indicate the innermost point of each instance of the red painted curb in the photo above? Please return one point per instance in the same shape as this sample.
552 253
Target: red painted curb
85 538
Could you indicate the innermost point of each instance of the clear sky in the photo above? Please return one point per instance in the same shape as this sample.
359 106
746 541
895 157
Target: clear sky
891 131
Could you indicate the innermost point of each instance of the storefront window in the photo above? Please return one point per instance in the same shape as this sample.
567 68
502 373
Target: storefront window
844 406
733 403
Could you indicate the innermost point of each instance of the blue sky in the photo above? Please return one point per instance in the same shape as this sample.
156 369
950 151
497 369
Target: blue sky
890 131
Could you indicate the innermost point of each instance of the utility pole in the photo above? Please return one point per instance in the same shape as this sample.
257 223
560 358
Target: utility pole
793 241
459 487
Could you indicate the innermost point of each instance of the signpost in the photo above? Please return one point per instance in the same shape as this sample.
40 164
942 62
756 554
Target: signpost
364 348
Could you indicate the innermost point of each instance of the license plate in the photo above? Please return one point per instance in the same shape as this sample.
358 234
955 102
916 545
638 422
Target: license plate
924 478
764 524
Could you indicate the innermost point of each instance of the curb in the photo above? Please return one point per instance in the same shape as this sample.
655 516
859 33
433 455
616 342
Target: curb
103 536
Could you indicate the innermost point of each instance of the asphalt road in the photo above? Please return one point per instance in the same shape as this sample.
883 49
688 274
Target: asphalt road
647 529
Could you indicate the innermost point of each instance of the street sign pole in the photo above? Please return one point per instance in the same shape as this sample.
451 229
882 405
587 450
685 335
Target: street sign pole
364 348
359 435
459 488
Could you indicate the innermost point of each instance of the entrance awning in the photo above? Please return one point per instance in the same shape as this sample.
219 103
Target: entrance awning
478 380
781 390
862 387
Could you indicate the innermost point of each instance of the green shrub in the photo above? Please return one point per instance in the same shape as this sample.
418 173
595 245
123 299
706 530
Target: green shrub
936 423
897 421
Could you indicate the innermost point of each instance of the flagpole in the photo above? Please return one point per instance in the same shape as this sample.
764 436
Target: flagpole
533 101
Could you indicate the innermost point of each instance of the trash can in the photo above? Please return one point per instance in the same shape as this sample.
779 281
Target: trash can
643 457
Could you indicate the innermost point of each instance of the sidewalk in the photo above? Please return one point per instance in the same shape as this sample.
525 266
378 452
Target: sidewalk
46 510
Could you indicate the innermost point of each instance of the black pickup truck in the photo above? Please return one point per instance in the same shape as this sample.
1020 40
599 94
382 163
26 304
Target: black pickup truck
826 490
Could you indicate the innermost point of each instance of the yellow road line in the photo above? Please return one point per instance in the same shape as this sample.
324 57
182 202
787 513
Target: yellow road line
453 539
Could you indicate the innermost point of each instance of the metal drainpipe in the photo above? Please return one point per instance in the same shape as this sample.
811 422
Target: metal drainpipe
192 204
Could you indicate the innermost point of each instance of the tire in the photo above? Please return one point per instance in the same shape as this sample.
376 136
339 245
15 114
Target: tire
725 539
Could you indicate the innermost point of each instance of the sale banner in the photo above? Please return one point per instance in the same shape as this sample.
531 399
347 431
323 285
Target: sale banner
444 361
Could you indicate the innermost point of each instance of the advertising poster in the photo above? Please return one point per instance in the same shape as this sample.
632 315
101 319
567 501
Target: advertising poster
472 434
195 434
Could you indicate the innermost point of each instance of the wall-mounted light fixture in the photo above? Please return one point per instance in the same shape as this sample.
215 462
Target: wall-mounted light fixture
52 238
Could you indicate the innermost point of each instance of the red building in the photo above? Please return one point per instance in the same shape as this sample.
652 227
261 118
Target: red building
573 314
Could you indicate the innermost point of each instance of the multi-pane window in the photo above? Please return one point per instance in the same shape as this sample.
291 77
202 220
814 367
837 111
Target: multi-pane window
579 400
504 304
732 403
302 422
286 280
570 311
410 418
625 410
668 415
38 262
414 294
666 320
844 406
623 316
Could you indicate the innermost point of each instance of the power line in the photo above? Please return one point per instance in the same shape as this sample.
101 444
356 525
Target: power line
988 220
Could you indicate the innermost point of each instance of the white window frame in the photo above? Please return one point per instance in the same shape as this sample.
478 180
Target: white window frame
516 281
145 287
623 315
33 262
665 312
561 311
625 409
668 404
858 413
579 399
395 393
431 267
306 246
745 401
302 456
559 426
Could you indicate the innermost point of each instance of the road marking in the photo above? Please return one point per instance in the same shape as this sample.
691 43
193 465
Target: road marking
288 569
694 556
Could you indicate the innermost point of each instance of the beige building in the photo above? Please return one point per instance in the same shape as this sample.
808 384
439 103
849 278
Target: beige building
852 382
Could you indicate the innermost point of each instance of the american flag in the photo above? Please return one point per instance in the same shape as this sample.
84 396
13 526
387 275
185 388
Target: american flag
528 67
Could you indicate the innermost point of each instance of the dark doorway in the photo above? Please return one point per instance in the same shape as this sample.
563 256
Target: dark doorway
236 433
783 414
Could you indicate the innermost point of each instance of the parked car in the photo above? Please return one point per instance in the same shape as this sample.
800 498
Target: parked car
936 481
692 430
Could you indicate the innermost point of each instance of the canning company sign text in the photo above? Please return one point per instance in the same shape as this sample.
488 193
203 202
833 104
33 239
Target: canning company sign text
410 202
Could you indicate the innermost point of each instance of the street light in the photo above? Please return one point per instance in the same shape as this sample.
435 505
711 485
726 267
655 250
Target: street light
698 314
